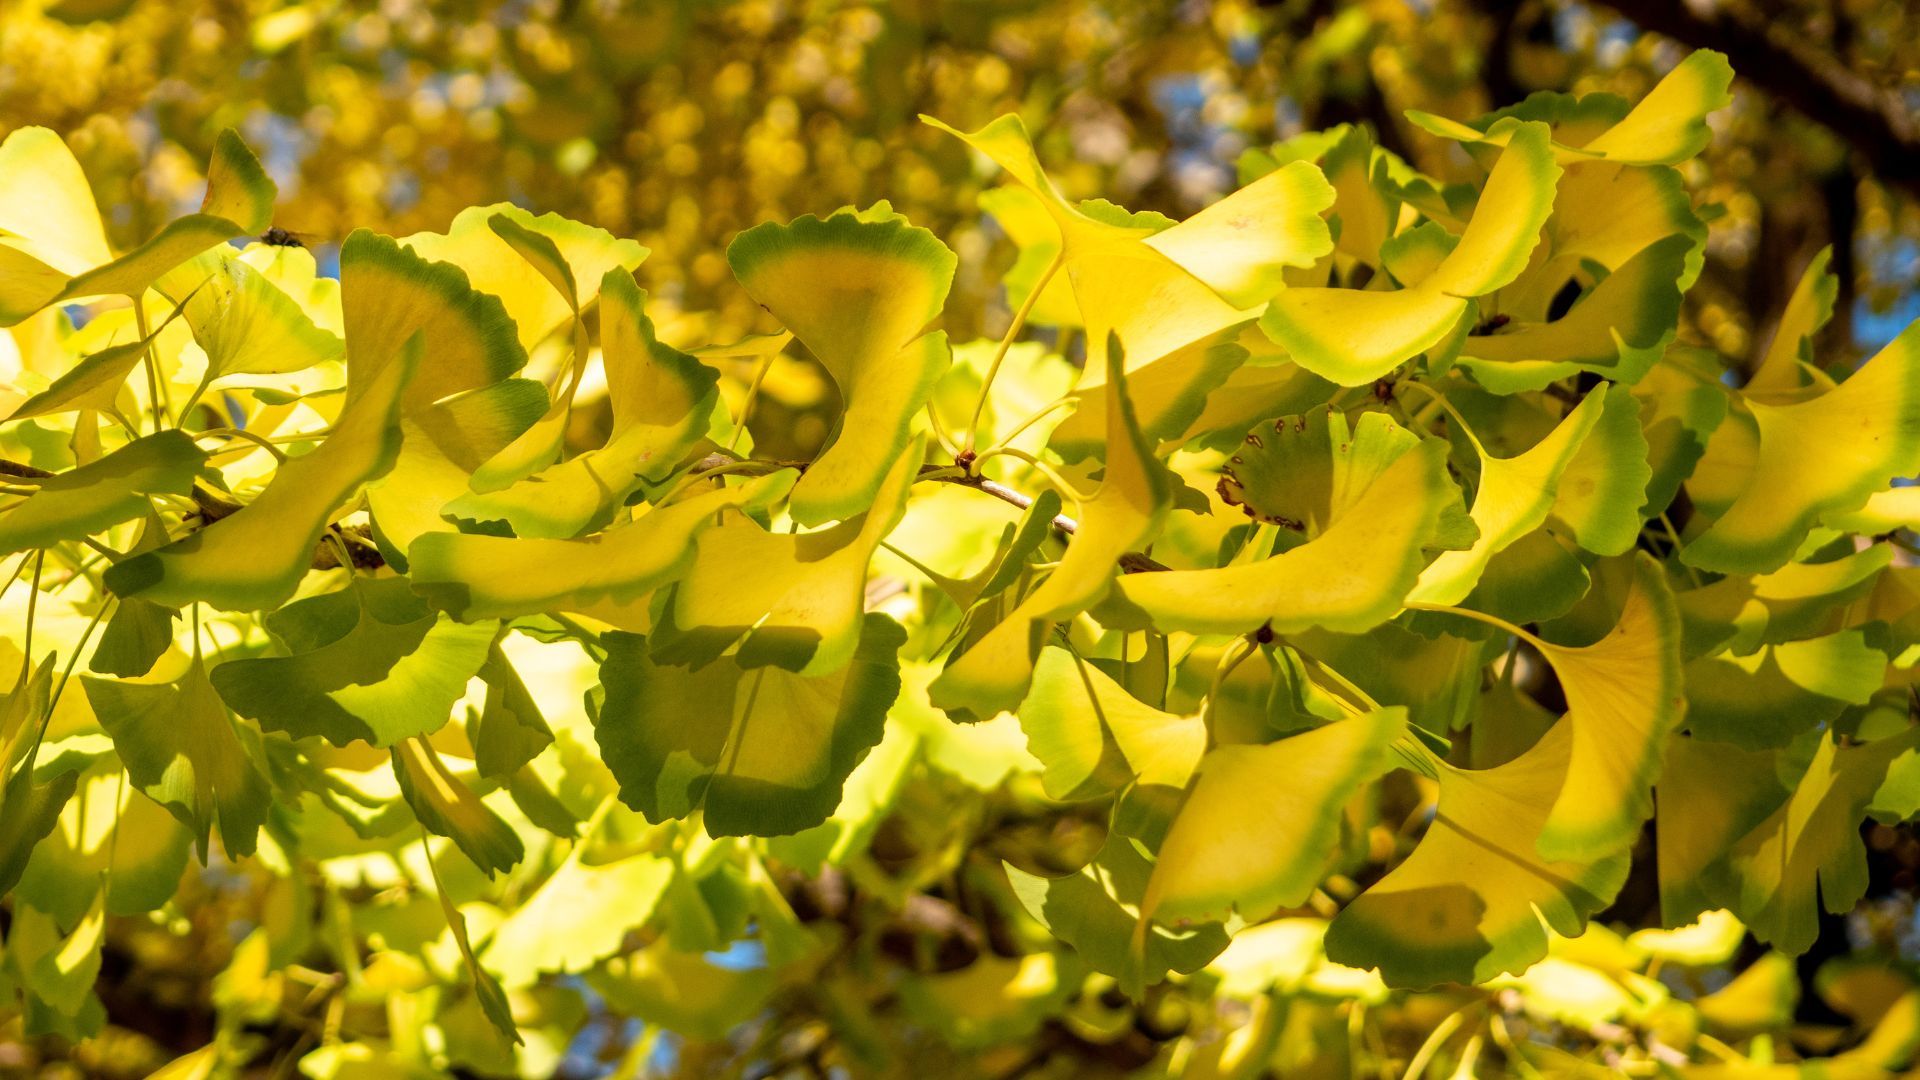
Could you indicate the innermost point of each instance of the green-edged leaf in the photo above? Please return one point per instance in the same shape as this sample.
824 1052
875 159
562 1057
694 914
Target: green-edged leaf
539 268
796 600
188 753
660 399
509 731
1475 899
1823 456
858 291
482 577
243 321
492 1000
94 497
253 560
1624 698
1800 600
388 294
1769 697
1354 336
370 662
1617 329
1242 843
1603 490
1782 373
1514 498
1668 126
759 752
1352 577
993 674
93 383
440 447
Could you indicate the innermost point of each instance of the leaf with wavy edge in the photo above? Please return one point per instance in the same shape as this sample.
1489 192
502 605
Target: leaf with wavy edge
758 752
388 293
370 662
660 398
1093 736
1354 336
1475 899
253 559
186 751
791 601
1823 456
858 289
1352 577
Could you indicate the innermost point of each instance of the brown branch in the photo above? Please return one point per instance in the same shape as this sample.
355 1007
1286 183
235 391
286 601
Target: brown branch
1773 56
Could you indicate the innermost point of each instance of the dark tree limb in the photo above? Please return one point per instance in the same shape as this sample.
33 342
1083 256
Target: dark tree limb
1773 56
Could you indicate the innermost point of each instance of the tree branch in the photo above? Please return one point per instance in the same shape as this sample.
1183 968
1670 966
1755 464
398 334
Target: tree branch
1770 55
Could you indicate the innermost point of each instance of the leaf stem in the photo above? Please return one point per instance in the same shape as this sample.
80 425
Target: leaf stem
1018 324
1481 616
753 395
156 386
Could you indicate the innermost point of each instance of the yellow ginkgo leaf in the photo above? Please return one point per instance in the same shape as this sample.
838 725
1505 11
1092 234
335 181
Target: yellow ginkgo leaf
858 289
1476 899
1819 457
1242 843
1354 336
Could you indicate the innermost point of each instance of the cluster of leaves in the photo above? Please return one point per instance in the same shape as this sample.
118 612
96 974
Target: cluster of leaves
1363 556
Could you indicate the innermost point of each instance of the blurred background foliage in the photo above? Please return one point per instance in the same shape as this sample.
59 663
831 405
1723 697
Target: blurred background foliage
679 124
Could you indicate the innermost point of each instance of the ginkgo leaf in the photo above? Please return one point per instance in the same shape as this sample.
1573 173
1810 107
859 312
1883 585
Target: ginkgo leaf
796 600
1354 336
482 577
1096 909
1514 498
239 201
1604 214
1603 489
1158 289
97 496
858 291
759 752
58 972
1681 404
1822 456
1624 696
440 447
1304 473
660 398
110 838
244 322
1091 734
579 916
93 383
1616 329
447 807
388 294
1770 696
509 730
46 205
253 559
993 674
1738 614
1352 577
188 753
1667 126
371 662
1782 371
1807 852
1475 899
540 285
1242 843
